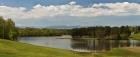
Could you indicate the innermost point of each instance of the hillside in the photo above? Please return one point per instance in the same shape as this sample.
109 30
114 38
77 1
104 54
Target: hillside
16 49
135 36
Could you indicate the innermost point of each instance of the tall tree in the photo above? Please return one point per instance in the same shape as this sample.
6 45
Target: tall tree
11 29
7 29
2 25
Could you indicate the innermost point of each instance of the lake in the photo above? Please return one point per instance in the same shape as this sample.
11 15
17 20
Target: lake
80 45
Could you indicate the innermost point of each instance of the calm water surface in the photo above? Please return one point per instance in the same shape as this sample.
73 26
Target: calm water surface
80 45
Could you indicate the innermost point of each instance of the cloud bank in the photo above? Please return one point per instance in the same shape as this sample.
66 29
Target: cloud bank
71 9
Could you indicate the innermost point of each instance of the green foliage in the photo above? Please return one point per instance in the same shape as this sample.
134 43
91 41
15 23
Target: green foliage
101 32
7 29
42 32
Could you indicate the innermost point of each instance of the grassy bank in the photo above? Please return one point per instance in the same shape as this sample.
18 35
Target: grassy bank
16 49
135 36
121 52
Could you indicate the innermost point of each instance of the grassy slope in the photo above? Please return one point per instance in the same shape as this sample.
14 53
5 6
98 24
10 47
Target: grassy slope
135 36
121 52
16 49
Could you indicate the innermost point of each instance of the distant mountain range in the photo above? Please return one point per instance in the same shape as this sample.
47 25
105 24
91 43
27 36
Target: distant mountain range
54 27
64 27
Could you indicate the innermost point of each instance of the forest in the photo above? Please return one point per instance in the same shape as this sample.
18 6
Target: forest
98 32
105 32
42 32
8 29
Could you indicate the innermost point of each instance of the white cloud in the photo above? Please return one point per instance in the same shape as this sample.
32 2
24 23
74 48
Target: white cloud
71 9
72 3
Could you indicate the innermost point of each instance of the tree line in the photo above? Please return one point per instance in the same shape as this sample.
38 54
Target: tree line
42 32
8 29
105 32
99 32
10 32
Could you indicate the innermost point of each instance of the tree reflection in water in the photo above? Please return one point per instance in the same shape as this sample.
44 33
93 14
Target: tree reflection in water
93 45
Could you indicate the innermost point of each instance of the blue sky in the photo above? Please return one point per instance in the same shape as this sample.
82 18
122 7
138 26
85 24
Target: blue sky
31 3
86 13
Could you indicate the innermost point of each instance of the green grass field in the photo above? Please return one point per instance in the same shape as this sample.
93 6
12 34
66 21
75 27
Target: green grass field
135 36
16 49
121 52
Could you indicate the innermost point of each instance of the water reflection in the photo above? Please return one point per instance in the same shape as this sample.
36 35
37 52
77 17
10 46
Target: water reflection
80 45
102 45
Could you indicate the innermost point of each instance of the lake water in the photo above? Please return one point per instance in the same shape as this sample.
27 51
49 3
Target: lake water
80 45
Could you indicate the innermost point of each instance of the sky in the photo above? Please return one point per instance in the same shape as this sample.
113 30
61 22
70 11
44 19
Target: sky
43 13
